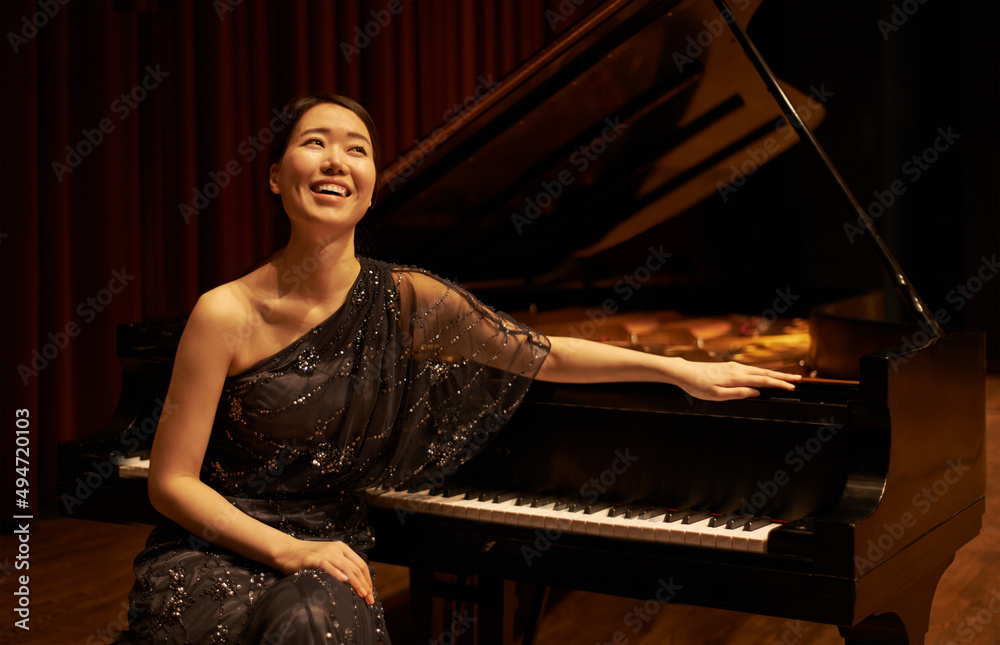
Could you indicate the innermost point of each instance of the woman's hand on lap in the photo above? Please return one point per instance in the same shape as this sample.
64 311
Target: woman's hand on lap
334 557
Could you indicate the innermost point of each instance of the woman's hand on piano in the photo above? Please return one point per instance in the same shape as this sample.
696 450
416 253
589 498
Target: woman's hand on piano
334 557
573 360
724 381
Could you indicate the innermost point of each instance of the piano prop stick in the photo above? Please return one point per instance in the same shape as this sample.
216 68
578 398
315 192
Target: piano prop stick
903 285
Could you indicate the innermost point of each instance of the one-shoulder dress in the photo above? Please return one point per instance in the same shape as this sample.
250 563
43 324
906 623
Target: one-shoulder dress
411 376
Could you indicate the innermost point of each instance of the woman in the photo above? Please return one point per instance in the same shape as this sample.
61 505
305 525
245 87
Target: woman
321 374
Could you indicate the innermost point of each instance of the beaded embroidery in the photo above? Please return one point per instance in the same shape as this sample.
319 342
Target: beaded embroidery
308 360
411 376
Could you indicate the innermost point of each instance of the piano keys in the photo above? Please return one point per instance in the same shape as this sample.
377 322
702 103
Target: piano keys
730 531
655 524
132 467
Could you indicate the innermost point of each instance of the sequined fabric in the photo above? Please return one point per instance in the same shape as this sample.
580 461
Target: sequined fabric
411 377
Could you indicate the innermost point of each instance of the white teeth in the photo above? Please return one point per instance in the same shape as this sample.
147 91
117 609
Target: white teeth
329 189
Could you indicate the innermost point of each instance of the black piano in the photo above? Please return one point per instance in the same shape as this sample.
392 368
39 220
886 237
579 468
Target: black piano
841 503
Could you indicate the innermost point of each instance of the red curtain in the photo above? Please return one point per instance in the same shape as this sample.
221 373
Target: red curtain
134 134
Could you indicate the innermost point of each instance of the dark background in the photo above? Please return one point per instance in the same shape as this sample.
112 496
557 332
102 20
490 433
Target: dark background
120 208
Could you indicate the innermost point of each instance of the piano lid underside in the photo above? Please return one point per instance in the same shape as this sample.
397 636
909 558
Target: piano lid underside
612 137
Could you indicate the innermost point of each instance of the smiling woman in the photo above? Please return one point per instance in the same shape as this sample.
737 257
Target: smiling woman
351 113
328 158
280 426
355 374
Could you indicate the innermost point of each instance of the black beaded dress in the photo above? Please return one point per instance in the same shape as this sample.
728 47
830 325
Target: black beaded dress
409 378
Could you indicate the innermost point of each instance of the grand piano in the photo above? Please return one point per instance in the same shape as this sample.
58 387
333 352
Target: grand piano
841 503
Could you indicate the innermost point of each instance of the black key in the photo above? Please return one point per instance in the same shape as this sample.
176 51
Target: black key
697 516
455 491
634 512
596 507
738 522
677 516
544 500
617 510
562 505
722 520
525 500
757 523
503 497
654 513
420 487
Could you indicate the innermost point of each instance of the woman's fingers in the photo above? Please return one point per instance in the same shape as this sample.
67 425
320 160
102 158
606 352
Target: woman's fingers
724 381
780 379
337 559
347 573
765 380
351 568
360 586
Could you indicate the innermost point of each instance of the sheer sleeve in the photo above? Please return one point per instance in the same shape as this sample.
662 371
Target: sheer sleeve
467 368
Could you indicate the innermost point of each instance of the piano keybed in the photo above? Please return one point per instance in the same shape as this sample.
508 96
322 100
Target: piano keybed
643 523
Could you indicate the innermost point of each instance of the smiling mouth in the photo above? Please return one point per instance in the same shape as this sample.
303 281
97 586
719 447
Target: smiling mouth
331 189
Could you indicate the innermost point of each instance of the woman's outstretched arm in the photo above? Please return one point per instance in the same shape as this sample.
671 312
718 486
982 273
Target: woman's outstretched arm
573 360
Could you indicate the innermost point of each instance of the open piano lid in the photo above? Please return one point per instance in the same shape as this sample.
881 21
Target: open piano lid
633 116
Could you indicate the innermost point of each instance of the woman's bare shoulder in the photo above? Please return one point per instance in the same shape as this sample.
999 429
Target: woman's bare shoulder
228 304
219 303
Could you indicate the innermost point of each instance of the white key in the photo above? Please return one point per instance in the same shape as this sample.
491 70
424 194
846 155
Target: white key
693 532
588 524
412 502
614 527
478 511
718 537
495 511
537 517
133 467
446 506
757 540
656 530
550 518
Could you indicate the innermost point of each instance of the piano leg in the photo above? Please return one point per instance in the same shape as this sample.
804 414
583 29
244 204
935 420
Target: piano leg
495 611
421 604
905 618
539 597
504 609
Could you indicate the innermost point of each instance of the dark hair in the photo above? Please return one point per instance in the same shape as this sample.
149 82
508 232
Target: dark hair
290 117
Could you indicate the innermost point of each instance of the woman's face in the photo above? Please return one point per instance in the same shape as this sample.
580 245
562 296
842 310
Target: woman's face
327 173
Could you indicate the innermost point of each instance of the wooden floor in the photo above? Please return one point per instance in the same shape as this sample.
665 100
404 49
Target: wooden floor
80 574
